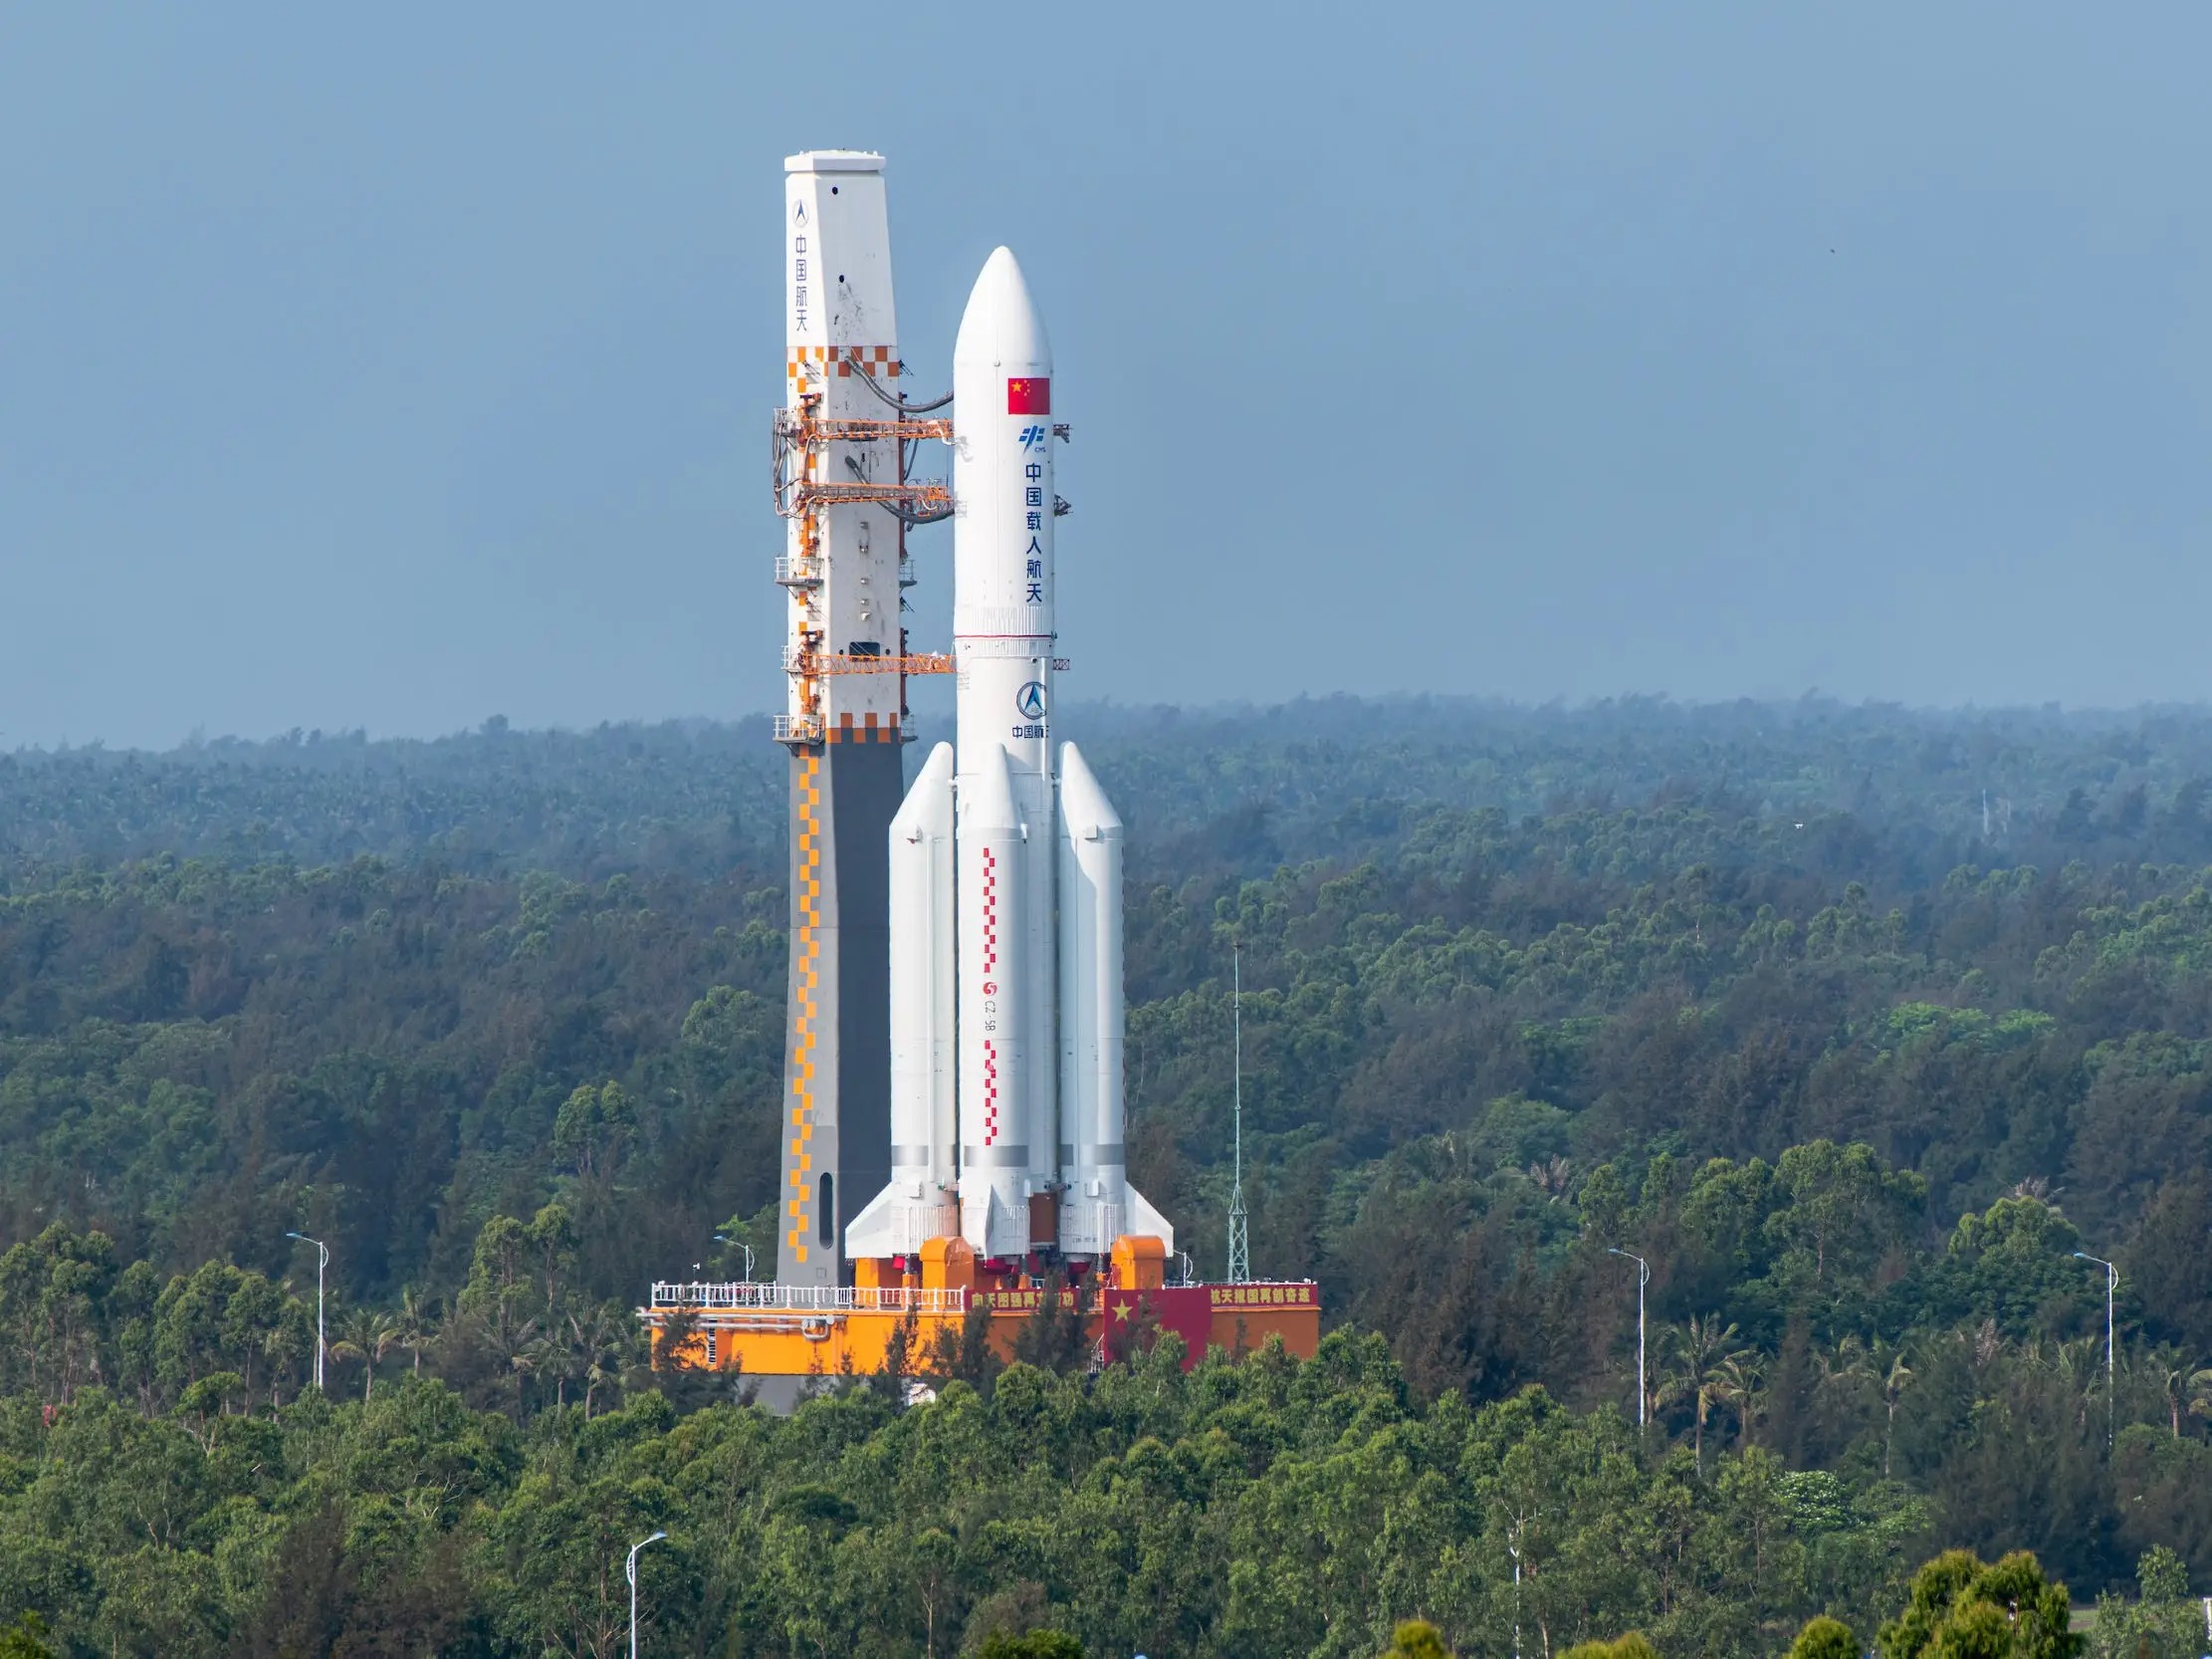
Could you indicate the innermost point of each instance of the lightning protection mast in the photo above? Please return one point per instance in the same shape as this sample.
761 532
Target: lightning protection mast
841 460
1239 1240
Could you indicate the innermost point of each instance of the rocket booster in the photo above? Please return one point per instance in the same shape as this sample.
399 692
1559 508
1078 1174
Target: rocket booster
1005 877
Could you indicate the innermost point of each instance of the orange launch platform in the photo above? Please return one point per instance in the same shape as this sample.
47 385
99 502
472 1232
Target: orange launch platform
799 1330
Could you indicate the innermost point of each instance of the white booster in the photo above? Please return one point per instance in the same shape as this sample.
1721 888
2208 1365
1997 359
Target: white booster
919 1203
1030 877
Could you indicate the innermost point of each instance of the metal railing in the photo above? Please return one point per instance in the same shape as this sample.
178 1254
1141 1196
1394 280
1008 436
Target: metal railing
672 1295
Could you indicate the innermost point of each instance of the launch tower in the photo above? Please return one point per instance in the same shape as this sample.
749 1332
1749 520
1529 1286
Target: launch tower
841 487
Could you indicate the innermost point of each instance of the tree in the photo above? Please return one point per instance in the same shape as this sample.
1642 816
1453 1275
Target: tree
1824 1638
1700 1349
1961 1609
1034 1644
1896 1377
367 1335
1054 1336
312 1586
599 1342
2200 1394
1634 1645
595 1130
1842 1208
26 1639
209 1398
414 1325
1737 1382
963 1353
2161 1623
1417 1639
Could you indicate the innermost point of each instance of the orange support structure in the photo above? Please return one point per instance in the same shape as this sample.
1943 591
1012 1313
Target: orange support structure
830 1330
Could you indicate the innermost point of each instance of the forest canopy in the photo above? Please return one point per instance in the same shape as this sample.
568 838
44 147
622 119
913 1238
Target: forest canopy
1857 1025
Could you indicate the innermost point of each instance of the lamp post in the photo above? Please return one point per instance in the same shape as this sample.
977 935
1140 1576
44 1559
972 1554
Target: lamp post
2111 1283
321 1264
1513 1548
725 1239
629 1570
1642 1278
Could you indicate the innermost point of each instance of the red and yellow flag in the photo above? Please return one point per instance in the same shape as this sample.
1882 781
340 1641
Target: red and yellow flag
1029 397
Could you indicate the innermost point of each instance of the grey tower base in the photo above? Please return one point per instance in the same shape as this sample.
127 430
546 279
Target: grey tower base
837 1060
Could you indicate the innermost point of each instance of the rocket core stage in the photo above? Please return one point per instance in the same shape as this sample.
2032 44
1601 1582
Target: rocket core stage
1006 880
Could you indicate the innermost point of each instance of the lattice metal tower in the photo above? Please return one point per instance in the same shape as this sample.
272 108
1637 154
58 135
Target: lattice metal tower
1239 1235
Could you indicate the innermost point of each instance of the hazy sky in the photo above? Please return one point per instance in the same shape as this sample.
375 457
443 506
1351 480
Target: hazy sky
397 365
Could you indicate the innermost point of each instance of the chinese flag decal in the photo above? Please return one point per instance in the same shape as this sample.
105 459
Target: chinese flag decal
1029 397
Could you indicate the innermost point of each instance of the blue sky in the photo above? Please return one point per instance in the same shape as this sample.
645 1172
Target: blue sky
399 367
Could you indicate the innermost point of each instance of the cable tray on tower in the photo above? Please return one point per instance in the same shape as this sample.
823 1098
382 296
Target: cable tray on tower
821 663
917 496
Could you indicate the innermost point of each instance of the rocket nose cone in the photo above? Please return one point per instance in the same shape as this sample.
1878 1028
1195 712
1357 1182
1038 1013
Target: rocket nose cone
1084 807
986 801
1001 324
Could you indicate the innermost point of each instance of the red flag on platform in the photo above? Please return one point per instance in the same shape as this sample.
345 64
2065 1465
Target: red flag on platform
1029 397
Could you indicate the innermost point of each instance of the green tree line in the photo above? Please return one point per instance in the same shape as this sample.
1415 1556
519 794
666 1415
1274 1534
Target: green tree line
1857 1073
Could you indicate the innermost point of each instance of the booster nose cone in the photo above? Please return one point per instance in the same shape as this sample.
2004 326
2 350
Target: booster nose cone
1002 328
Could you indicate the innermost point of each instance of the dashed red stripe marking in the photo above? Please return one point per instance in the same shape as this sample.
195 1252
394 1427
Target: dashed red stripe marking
991 961
990 1092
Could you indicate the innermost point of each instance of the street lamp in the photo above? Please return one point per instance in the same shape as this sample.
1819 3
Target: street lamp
1642 1278
725 1239
321 1263
2111 1283
1513 1548
629 1569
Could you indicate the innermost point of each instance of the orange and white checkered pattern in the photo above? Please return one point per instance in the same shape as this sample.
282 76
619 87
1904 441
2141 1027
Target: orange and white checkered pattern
806 1016
869 728
807 364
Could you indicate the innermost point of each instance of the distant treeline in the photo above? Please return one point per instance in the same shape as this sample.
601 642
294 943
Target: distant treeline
1242 786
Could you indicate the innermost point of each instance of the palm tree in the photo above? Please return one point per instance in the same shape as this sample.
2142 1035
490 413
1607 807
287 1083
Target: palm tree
289 1346
2081 1364
1896 1379
1552 1177
521 1351
1847 1376
2200 1393
1988 1343
1699 1349
596 1343
415 1325
2170 1368
367 1336
1736 1382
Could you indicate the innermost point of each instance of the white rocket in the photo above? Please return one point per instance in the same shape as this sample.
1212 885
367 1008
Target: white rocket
1006 1007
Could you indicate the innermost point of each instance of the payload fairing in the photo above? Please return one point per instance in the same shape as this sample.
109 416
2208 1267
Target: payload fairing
1006 928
